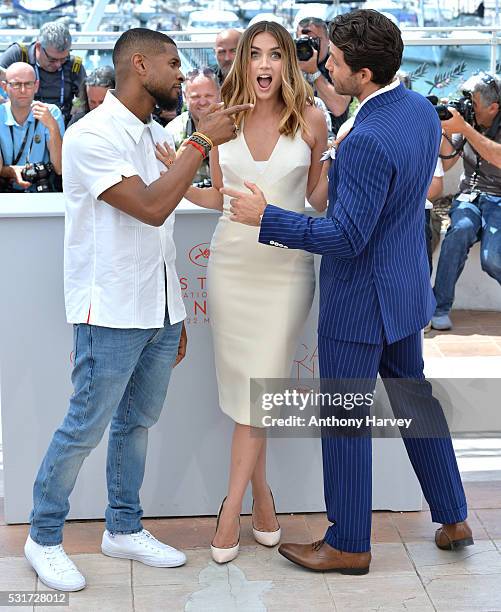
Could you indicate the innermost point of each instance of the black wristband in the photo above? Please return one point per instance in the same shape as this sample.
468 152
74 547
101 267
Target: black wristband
202 142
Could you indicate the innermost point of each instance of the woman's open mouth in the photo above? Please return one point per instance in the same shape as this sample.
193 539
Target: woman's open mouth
264 82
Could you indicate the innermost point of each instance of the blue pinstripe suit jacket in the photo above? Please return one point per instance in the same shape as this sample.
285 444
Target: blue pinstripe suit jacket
374 276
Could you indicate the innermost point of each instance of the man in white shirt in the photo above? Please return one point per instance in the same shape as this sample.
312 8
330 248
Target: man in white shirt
123 296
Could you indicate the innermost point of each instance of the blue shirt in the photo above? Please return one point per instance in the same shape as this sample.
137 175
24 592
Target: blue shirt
36 149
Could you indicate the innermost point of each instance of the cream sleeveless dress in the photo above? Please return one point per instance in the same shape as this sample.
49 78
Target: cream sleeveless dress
259 295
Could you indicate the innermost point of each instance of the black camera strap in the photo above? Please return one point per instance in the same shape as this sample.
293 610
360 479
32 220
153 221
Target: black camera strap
16 158
457 150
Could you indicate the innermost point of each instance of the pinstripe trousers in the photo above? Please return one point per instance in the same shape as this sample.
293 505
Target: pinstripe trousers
347 461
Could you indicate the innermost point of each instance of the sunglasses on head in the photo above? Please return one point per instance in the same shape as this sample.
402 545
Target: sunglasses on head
208 72
488 79
311 21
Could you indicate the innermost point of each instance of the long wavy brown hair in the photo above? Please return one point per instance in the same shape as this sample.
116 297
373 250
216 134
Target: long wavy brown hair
295 92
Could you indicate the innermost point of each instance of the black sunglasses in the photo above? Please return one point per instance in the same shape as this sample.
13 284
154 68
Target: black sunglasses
311 21
55 60
488 79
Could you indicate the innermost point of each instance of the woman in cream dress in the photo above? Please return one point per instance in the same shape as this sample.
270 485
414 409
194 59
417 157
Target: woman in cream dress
260 296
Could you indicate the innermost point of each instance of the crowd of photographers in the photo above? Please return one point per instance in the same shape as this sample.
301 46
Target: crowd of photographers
47 89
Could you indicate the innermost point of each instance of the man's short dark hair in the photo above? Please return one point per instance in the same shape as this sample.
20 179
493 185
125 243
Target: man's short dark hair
368 39
140 40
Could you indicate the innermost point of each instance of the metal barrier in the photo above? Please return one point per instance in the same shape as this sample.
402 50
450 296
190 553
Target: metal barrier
197 45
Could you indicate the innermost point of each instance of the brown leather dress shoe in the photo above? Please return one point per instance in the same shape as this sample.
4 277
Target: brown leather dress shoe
454 536
321 557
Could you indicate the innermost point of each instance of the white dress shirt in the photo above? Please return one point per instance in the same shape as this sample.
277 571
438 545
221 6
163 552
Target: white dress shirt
114 264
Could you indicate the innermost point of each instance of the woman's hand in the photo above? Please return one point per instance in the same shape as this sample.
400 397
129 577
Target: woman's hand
165 154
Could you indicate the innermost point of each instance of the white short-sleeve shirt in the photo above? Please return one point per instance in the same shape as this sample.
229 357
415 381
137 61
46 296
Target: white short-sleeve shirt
116 268
439 172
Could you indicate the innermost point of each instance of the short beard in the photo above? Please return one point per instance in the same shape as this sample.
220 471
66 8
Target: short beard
163 101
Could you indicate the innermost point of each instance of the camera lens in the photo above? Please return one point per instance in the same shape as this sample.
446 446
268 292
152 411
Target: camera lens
304 48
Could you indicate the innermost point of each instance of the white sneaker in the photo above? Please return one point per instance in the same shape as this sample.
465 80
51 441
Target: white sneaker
53 566
143 547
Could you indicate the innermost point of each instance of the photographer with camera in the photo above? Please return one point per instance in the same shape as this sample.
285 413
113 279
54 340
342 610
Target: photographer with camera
472 130
201 90
312 45
30 135
59 73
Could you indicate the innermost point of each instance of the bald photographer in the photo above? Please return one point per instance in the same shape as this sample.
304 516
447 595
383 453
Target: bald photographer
472 130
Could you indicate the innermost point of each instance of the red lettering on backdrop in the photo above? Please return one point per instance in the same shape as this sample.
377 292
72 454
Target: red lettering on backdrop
198 307
307 364
194 288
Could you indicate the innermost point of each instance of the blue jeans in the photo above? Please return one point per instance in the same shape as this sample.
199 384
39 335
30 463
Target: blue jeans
119 375
470 222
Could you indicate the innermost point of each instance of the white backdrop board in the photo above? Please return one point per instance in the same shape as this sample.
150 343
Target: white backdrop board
187 466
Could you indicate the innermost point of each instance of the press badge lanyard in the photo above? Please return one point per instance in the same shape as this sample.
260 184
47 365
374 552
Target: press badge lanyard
61 96
16 158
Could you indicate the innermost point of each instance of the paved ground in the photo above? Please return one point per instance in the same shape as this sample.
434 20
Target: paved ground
408 572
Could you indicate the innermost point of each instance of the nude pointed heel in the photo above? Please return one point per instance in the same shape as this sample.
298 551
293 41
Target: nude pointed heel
267 538
225 555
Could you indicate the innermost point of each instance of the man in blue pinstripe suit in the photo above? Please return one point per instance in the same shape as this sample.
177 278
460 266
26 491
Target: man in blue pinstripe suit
375 293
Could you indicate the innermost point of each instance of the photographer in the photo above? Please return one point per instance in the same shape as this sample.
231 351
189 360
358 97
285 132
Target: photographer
225 49
315 71
59 73
92 95
201 90
476 210
30 135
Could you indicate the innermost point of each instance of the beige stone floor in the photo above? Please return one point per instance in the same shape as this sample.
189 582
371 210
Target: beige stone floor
407 573
475 334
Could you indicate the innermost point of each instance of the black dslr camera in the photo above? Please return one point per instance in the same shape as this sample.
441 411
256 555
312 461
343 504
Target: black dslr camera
39 176
464 107
305 46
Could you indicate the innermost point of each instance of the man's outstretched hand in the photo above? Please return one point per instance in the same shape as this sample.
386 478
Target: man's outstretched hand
246 208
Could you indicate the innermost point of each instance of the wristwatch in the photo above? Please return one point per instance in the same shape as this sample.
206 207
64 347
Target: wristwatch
311 78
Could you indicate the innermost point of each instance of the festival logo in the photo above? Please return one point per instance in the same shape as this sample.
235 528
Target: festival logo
199 254
193 286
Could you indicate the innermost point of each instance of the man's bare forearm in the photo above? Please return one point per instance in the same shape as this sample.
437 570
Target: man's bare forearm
446 148
486 148
153 203
164 194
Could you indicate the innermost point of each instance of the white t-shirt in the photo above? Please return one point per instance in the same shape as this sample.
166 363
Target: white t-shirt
115 266
439 171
